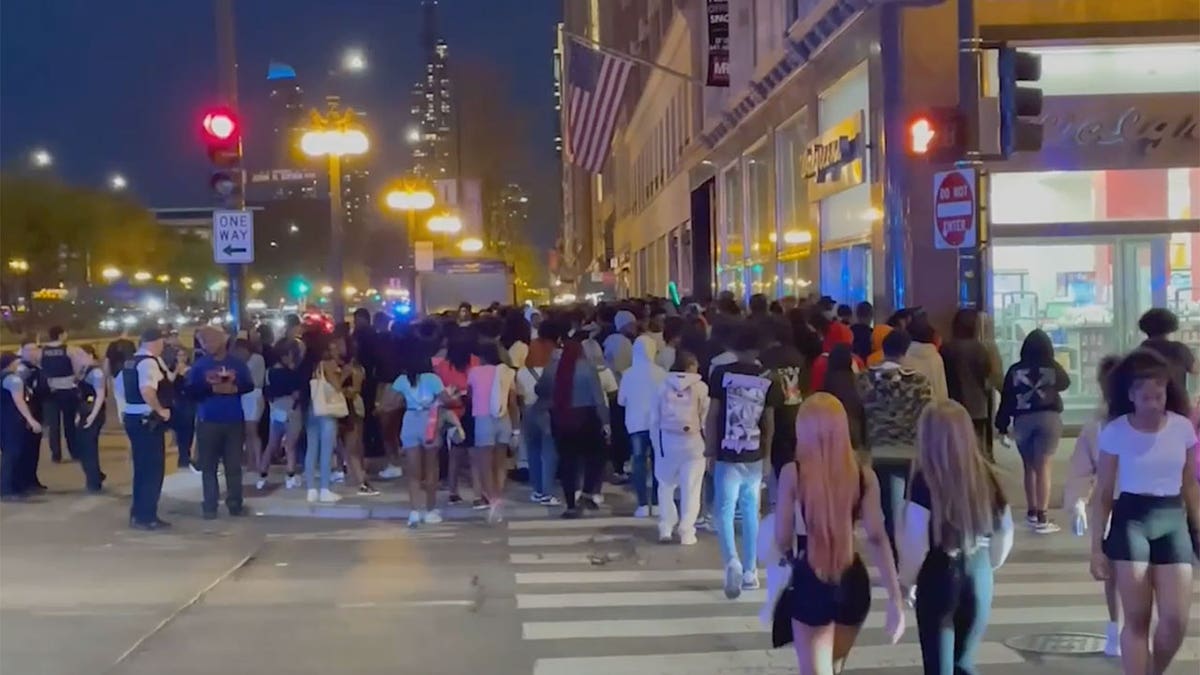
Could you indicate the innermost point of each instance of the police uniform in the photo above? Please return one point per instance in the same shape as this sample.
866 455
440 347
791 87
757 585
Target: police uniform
87 439
146 431
35 398
62 399
13 432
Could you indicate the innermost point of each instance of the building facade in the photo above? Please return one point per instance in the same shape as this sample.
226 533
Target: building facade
285 177
434 143
507 218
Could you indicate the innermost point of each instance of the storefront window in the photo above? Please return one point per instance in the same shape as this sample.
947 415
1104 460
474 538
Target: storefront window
1087 196
760 216
846 273
729 238
1114 69
686 282
730 279
794 238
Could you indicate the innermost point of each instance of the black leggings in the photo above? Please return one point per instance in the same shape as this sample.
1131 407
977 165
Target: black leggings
954 600
581 445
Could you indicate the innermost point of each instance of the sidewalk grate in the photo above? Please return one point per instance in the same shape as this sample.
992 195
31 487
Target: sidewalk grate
1058 643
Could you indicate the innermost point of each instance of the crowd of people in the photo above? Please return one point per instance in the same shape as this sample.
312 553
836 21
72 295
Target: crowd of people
699 409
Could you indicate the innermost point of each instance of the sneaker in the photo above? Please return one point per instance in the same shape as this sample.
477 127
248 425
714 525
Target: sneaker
260 484
480 504
1046 527
337 477
495 513
597 498
586 502
642 512
313 495
619 479
687 539
195 469
665 538
706 523
391 471
454 499
1112 639
550 500
572 514
433 517
536 497
365 490
329 496
414 518
292 482
733 579
750 580
1031 519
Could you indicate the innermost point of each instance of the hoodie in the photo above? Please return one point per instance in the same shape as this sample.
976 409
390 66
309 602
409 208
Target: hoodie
639 384
691 444
838 334
1034 383
924 358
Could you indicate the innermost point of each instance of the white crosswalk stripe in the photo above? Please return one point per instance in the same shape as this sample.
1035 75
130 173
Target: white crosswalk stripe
590 605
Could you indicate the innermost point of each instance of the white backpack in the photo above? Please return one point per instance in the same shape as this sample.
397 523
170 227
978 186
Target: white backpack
678 412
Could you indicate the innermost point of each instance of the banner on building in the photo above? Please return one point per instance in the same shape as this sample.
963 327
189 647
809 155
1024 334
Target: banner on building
718 43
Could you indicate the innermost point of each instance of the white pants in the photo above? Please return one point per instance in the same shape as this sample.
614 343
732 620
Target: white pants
686 472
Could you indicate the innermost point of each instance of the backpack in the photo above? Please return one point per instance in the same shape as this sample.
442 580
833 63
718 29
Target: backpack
678 412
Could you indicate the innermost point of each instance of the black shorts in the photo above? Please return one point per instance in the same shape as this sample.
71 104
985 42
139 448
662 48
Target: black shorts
817 603
1150 529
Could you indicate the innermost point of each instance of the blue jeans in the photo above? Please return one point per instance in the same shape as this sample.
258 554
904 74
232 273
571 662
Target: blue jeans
954 601
893 483
540 451
737 486
322 434
642 452
149 451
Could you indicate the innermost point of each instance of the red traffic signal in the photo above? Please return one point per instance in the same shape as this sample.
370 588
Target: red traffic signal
936 134
222 133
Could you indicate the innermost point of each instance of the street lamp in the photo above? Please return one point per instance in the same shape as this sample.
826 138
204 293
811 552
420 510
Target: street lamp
334 135
411 199
117 182
110 273
142 276
257 286
470 245
445 224
18 265
354 61
41 158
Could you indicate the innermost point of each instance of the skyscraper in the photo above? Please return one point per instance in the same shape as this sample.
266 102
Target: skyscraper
508 217
284 176
434 143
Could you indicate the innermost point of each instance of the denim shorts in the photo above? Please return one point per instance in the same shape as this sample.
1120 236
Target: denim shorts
413 428
491 431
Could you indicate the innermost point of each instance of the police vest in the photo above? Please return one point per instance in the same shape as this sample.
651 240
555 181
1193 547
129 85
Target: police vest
56 363
133 392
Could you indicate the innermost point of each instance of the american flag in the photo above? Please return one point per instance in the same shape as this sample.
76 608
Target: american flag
595 86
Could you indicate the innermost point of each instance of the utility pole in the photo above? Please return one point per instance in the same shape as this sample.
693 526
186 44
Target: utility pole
971 259
337 230
236 199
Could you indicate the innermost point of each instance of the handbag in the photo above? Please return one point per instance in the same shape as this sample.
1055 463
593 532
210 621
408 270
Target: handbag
327 401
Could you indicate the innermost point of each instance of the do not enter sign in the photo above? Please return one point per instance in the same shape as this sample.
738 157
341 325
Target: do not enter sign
954 222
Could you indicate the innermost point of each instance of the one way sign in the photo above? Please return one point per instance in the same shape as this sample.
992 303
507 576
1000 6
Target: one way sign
233 237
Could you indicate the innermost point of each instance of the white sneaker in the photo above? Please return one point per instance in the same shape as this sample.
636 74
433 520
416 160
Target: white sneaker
550 500
495 512
598 498
1112 641
292 482
329 496
337 477
195 469
750 580
536 497
1046 528
665 538
260 483
433 517
733 579
391 471
687 539
642 512
313 495
414 518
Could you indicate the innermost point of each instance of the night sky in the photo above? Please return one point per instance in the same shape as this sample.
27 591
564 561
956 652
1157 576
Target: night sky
118 86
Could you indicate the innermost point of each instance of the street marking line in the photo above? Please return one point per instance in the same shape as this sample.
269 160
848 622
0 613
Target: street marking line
754 661
587 523
558 558
568 539
727 625
634 599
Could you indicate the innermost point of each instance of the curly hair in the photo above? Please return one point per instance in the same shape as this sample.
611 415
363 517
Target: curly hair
1137 366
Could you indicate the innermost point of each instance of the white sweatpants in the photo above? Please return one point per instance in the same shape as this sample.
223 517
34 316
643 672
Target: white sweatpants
683 470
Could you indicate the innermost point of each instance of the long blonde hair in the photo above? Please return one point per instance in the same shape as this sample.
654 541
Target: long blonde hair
827 482
962 486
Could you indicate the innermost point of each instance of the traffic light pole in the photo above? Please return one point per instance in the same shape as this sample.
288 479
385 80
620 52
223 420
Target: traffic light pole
227 74
971 260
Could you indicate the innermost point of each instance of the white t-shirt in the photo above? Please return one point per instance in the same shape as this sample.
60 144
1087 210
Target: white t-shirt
1150 463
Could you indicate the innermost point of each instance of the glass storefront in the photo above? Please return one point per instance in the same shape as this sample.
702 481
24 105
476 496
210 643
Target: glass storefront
794 237
760 217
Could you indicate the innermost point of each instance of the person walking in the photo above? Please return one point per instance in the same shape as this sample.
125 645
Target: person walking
636 394
61 404
1147 458
739 429
1031 400
958 528
91 417
218 381
823 495
924 358
148 390
969 374
677 413
579 419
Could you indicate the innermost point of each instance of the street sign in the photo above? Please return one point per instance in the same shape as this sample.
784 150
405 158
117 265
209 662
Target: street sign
233 237
954 221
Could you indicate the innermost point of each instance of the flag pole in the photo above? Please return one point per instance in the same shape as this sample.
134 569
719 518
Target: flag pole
588 42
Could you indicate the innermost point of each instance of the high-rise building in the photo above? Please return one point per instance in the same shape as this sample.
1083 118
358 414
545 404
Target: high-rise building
508 217
356 192
435 151
558 87
284 177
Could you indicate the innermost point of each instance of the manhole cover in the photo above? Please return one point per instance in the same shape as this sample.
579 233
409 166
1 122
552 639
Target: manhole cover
1058 643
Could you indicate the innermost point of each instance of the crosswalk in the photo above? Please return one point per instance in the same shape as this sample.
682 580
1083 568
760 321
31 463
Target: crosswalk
602 597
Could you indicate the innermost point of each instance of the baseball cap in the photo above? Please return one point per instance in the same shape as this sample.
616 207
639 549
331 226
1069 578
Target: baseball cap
150 335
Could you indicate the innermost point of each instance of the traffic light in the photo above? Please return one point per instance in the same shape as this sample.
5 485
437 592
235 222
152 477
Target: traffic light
300 287
1020 131
935 134
222 134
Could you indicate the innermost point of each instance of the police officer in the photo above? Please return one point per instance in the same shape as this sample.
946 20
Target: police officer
92 407
62 399
147 387
35 397
16 423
